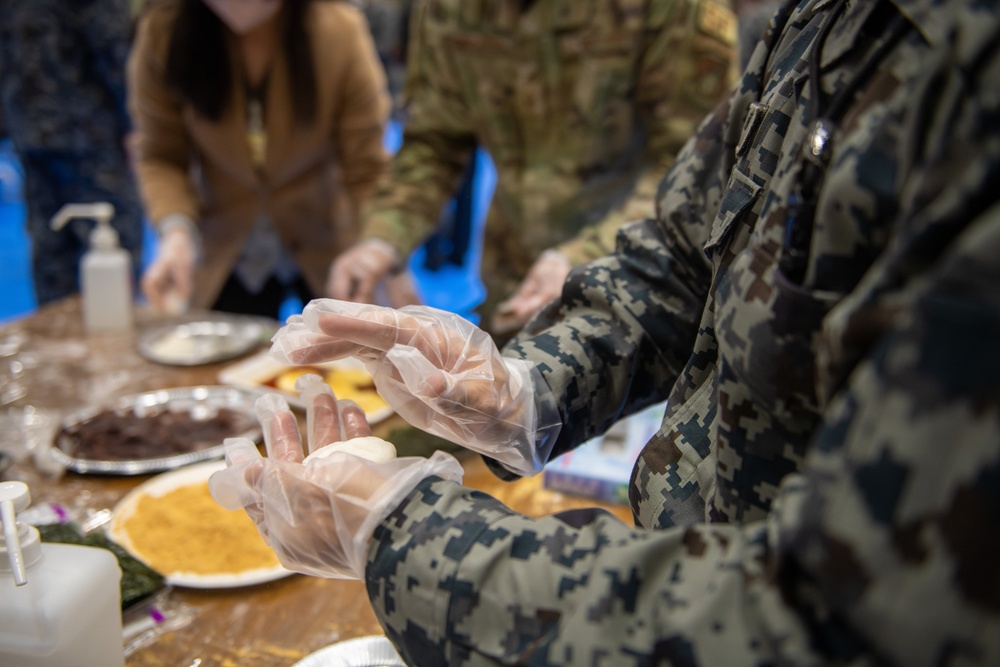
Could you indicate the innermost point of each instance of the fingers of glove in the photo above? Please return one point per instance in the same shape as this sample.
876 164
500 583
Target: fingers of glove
353 420
526 302
375 327
327 418
401 290
418 376
461 410
323 424
295 343
482 387
515 313
542 284
168 279
357 271
443 337
282 439
351 282
178 255
155 283
229 486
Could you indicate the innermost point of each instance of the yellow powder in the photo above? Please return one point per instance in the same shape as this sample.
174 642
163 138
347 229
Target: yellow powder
185 530
347 383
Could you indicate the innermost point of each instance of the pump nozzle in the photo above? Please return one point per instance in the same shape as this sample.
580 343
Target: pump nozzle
14 497
104 235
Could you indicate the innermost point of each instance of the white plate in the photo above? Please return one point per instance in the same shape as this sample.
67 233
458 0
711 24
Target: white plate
158 486
256 371
361 652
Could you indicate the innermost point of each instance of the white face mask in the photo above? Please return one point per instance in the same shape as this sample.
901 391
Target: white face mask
242 16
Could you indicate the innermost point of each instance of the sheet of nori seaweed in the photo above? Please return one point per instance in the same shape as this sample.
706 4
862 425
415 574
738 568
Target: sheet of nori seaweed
138 579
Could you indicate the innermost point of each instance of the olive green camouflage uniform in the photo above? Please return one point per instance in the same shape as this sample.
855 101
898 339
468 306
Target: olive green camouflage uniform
577 102
825 487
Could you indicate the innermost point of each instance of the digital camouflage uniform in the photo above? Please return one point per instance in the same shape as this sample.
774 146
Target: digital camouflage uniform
62 89
825 487
577 103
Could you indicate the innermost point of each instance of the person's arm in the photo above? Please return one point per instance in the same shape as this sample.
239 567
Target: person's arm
618 351
592 341
437 143
598 355
882 550
162 151
686 69
362 120
161 141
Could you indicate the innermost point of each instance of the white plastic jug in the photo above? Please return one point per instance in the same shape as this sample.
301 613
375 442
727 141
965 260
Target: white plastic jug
60 604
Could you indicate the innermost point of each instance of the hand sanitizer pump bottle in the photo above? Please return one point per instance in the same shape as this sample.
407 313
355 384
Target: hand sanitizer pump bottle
105 270
60 604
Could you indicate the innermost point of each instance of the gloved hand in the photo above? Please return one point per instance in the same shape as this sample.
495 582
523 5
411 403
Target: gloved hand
357 271
318 516
439 372
168 282
401 290
542 284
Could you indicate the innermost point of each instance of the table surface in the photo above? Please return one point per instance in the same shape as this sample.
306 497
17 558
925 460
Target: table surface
49 368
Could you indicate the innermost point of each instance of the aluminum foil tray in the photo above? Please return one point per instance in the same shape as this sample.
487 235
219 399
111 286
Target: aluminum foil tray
202 341
201 403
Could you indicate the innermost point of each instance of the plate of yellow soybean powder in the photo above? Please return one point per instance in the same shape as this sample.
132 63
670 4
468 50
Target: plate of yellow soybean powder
172 524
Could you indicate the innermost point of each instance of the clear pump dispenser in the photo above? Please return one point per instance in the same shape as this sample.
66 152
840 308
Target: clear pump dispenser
60 604
105 270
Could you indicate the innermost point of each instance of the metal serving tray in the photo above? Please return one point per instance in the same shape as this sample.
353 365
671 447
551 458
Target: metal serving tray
201 402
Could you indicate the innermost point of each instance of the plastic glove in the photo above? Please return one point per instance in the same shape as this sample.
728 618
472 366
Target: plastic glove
439 372
542 284
168 282
401 290
318 517
357 271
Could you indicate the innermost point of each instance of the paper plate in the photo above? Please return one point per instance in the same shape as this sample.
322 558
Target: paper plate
162 484
374 651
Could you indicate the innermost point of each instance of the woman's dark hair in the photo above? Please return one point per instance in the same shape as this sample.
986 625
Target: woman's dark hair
198 61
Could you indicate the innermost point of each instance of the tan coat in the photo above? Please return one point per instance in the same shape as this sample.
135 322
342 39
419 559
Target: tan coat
315 179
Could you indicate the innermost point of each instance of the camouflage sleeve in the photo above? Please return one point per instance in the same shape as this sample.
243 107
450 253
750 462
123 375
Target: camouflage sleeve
456 578
625 324
882 551
106 26
162 145
688 66
437 143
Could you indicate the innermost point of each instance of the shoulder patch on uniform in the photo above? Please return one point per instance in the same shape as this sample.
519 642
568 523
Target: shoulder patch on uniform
718 21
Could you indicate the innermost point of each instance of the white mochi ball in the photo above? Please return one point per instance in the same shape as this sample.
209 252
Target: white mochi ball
369 447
